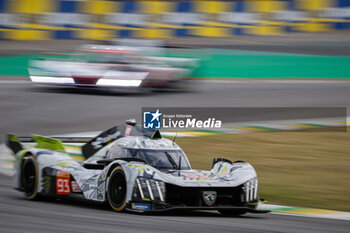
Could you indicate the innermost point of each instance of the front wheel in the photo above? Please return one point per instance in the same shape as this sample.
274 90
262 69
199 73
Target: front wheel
116 192
30 177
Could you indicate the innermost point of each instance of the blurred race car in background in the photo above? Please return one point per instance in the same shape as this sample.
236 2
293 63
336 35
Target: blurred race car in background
133 169
119 65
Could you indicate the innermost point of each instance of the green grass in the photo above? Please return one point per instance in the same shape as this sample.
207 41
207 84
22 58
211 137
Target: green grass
306 169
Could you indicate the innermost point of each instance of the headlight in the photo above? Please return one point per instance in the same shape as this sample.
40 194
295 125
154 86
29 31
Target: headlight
118 82
56 80
250 189
149 189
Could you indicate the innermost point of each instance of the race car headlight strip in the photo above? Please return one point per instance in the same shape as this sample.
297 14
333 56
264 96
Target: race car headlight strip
151 189
140 188
251 190
160 191
56 80
118 82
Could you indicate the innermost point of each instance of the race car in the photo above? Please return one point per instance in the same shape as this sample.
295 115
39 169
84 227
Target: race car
112 67
132 169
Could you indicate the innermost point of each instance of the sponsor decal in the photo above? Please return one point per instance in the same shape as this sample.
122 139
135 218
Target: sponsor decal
128 130
157 120
75 187
152 120
62 174
63 183
195 176
191 123
209 197
140 206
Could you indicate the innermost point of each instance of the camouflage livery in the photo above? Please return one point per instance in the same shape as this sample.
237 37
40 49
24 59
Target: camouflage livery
156 171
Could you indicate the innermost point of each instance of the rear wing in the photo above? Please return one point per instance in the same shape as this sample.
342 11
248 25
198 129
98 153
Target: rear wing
92 144
55 143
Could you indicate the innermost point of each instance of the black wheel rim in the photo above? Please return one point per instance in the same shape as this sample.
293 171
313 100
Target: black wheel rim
117 189
29 177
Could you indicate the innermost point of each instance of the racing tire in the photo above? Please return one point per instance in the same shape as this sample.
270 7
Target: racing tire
30 176
116 193
232 213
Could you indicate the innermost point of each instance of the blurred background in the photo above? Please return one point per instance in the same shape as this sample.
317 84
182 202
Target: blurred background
277 54
101 20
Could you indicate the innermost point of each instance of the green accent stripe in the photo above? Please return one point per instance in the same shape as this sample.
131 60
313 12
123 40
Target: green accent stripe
262 128
285 208
75 146
314 125
206 131
64 163
76 155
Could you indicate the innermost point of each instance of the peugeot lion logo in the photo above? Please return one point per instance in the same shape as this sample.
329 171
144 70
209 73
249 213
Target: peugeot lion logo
209 197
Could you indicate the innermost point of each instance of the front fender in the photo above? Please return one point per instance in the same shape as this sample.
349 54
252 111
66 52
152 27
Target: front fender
237 172
131 169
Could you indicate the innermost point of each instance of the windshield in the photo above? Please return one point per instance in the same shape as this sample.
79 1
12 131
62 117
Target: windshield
161 159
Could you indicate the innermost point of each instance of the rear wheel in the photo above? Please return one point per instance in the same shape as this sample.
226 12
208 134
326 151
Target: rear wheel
30 177
116 192
232 213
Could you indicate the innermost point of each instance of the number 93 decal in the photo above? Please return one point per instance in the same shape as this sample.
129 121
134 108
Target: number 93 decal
63 183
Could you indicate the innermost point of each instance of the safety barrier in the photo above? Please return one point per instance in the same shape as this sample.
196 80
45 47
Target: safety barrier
93 19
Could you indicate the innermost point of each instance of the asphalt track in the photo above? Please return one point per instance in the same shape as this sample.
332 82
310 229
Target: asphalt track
18 214
27 109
